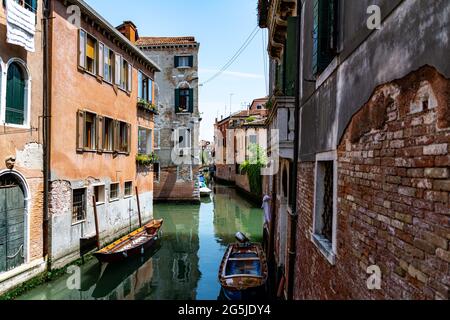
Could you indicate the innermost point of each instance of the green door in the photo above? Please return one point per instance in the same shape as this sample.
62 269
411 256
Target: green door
12 227
15 95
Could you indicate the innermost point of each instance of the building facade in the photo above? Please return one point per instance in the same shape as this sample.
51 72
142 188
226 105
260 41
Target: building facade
178 123
372 191
101 131
21 144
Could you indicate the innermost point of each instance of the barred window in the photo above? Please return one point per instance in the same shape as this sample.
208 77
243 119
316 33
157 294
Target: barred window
78 205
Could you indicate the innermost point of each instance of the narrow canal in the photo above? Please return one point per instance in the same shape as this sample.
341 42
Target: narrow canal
184 264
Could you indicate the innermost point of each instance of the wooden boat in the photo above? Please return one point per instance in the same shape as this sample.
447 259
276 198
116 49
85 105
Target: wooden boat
243 271
132 244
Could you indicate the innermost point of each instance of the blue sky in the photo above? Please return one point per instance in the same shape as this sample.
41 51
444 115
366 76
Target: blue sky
221 27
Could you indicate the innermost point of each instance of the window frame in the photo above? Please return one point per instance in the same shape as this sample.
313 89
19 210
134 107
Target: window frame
143 77
73 222
27 93
327 249
125 195
159 172
111 57
95 132
156 139
110 190
149 140
97 202
104 128
95 66
190 61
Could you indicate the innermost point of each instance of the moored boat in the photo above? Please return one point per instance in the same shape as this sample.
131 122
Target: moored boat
243 271
135 243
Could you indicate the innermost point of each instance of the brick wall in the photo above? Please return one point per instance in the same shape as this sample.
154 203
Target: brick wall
168 188
393 199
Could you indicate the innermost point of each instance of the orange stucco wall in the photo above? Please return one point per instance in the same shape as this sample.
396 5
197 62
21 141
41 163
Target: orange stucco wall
72 90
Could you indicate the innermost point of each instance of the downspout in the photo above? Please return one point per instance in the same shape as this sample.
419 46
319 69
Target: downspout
293 216
46 128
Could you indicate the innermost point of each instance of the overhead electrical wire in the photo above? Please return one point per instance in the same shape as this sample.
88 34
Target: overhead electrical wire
235 56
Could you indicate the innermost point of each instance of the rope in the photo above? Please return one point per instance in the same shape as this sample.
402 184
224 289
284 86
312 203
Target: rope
17 253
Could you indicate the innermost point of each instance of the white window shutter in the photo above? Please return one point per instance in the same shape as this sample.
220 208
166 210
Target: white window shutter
82 49
130 77
101 64
117 68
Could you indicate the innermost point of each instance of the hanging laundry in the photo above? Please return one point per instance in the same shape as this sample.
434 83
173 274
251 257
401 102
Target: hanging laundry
21 25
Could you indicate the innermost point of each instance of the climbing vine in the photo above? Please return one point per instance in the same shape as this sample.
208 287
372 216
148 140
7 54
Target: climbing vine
252 167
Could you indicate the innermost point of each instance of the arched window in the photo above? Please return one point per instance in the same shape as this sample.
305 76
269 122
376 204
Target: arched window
15 95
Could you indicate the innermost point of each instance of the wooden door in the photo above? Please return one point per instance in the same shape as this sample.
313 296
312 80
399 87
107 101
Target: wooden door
12 227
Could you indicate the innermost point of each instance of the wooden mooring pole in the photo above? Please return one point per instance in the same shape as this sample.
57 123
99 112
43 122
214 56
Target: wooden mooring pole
139 207
97 233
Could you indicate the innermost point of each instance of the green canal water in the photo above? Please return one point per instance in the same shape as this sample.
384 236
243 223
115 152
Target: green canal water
182 266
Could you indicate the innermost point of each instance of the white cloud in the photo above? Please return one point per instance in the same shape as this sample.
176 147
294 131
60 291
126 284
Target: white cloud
233 74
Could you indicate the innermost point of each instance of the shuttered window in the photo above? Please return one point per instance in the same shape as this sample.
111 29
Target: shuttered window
82 49
117 68
101 57
184 100
145 87
108 62
144 141
91 54
324 33
290 62
15 95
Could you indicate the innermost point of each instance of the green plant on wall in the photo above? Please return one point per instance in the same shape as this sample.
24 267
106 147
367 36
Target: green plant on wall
252 167
147 105
146 159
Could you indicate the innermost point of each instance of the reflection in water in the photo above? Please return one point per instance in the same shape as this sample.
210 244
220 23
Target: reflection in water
182 265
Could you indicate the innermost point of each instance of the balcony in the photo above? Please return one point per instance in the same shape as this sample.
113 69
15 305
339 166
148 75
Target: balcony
281 117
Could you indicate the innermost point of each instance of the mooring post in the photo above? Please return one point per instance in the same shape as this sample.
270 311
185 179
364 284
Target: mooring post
139 207
97 233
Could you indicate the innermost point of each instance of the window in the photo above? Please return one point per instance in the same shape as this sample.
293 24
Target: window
108 60
128 188
91 54
90 123
108 134
145 89
184 61
99 193
184 138
125 71
184 100
124 136
252 139
16 95
78 205
144 141
325 205
28 4
114 191
324 33
156 172
157 139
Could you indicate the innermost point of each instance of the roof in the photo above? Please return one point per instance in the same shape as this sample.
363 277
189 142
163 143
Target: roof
85 8
157 41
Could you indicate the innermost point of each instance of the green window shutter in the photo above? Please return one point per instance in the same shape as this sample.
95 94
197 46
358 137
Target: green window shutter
324 33
191 100
177 61
177 99
15 95
291 56
191 61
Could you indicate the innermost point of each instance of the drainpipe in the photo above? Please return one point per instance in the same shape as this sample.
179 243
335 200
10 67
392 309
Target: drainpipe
46 128
293 216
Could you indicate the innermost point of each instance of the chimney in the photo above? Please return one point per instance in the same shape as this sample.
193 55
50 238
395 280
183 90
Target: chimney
129 30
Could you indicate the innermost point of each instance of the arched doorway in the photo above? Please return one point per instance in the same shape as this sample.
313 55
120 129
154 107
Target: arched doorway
12 222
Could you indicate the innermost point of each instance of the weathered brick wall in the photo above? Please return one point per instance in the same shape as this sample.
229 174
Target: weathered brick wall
168 188
393 198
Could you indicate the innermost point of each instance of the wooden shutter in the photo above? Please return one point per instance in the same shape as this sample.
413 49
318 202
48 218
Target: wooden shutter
325 33
191 61
116 135
130 77
101 61
117 69
177 61
128 138
99 134
177 99
291 56
191 100
81 118
82 48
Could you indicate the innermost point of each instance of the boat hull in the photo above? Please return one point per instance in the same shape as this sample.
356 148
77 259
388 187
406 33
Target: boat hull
135 243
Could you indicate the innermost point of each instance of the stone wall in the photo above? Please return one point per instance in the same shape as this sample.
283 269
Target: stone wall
393 198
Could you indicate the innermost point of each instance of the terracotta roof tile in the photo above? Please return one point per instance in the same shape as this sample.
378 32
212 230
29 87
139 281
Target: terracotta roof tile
151 41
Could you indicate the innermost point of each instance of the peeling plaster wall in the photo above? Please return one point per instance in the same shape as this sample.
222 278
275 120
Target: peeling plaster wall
168 121
413 34
115 218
